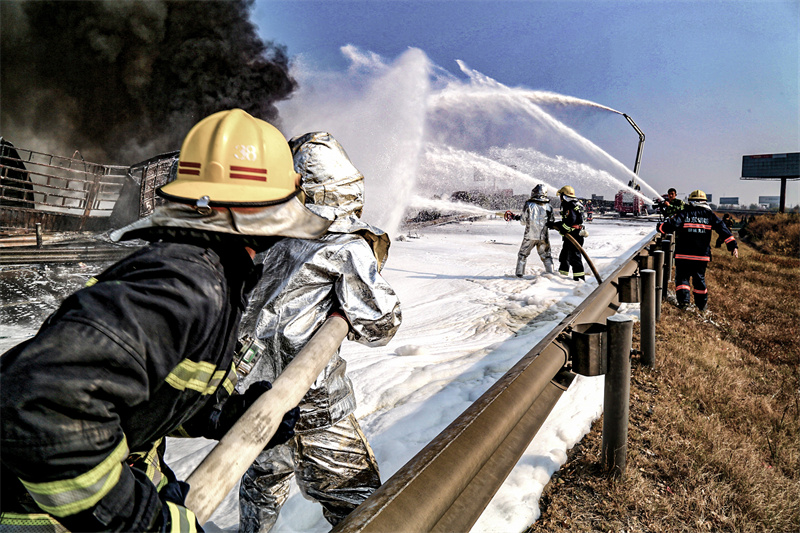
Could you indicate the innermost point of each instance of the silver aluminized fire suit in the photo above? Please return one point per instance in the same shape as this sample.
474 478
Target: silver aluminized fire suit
536 215
330 455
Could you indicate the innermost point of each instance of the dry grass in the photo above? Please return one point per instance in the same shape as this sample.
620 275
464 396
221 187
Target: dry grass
777 233
714 434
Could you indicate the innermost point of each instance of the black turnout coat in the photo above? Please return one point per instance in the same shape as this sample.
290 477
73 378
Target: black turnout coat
692 228
121 364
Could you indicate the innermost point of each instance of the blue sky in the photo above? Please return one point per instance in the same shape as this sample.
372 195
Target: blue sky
707 82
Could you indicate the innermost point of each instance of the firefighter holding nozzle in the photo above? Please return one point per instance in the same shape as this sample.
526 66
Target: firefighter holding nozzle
571 224
693 226
146 350
329 457
668 205
537 217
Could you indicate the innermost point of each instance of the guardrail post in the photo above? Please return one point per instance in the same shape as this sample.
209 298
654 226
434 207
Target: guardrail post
648 317
658 266
616 394
666 246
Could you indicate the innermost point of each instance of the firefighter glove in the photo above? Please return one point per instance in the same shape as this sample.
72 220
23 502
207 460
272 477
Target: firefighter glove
285 429
175 518
235 406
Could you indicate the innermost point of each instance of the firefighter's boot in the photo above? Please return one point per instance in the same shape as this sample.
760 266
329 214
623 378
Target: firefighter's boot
521 266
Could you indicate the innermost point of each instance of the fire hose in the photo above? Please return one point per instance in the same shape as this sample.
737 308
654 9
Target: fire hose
232 456
509 216
585 256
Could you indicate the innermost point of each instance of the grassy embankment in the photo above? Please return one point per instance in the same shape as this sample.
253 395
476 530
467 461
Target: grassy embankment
714 432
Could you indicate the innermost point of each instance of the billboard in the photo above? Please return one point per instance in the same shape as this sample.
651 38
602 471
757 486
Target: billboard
772 201
771 166
728 200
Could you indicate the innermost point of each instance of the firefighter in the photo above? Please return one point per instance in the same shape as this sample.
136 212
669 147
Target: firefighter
693 226
145 350
571 224
670 204
727 219
330 457
537 217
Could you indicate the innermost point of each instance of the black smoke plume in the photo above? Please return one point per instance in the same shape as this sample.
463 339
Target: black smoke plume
123 80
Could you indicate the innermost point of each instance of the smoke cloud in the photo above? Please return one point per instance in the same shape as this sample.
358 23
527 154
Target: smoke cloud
123 80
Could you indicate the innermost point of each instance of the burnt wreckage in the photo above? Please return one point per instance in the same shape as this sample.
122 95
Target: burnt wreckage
58 198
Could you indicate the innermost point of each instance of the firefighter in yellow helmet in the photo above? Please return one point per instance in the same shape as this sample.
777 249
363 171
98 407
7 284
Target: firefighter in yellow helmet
146 349
571 224
692 227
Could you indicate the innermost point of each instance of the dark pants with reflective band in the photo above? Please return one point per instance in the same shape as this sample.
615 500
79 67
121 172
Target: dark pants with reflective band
571 257
695 271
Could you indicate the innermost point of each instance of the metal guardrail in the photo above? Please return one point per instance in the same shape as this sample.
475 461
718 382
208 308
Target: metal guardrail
449 483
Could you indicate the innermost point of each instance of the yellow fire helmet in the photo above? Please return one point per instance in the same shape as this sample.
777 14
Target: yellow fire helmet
567 191
232 159
697 195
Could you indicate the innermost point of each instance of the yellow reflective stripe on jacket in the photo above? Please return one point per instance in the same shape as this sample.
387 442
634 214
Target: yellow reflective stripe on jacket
231 380
33 523
202 377
181 519
69 496
150 463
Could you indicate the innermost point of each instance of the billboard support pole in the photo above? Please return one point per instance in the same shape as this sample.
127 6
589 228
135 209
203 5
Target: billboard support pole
782 208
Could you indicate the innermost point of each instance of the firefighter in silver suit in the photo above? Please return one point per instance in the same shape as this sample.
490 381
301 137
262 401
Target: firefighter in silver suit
340 271
537 216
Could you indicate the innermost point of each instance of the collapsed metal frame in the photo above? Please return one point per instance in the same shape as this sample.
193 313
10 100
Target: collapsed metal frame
37 181
449 483
69 194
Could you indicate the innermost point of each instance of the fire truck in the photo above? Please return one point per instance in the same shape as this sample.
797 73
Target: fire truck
628 203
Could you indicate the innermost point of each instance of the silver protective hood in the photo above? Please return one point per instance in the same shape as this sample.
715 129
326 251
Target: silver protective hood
330 180
334 188
288 219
